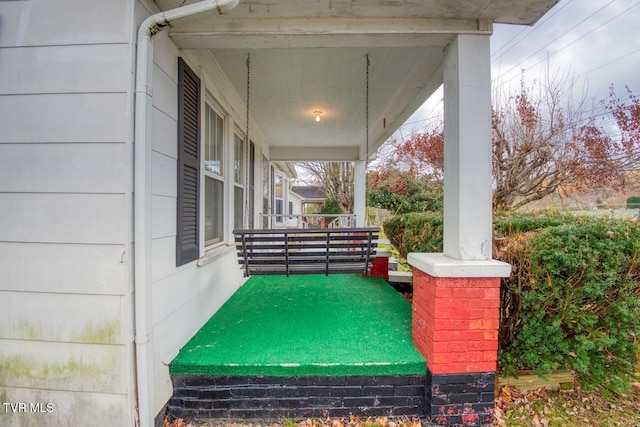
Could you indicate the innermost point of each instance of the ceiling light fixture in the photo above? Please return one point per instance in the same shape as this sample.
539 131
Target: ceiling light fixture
317 114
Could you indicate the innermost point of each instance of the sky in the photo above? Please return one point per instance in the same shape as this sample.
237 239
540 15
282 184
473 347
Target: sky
597 42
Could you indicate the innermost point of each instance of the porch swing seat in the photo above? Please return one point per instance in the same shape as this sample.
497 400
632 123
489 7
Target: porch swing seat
306 251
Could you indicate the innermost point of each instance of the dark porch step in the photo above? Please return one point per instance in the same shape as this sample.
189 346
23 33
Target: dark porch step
203 397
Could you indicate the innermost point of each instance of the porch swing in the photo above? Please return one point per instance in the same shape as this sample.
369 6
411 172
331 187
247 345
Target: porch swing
305 251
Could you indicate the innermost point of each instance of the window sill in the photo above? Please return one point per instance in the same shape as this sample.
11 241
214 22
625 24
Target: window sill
215 253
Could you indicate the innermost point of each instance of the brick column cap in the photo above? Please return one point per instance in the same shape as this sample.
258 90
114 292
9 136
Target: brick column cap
440 265
383 253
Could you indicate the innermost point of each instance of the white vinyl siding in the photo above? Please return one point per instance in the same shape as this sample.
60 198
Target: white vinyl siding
184 297
66 96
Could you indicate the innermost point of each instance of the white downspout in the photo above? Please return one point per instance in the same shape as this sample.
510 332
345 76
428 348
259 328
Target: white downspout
142 197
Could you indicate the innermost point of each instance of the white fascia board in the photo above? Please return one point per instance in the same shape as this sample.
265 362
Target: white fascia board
321 32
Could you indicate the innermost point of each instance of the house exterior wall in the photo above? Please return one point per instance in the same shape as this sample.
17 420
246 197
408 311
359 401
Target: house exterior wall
65 198
185 297
66 223
297 203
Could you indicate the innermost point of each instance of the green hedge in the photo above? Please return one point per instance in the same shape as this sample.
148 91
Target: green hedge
507 225
575 294
422 232
415 232
401 192
633 202
330 207
573 299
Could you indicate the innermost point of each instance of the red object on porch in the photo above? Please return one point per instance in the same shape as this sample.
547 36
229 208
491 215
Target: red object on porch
455 322
380 268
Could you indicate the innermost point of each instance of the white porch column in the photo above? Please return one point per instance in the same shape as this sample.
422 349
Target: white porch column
359 192
465 344
467 149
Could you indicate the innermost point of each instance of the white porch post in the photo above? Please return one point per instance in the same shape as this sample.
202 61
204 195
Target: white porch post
467 149
359 192
465 277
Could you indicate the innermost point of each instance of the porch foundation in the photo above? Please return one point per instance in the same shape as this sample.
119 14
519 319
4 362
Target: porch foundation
204 398
455 320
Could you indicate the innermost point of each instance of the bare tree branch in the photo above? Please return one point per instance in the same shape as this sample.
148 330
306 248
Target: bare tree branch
336 178
546 139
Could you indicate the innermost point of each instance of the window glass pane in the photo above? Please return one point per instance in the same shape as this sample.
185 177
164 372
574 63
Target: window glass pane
265 191
213 149
265 180
238 159
238 207
278 186
278 195
279 210
213 210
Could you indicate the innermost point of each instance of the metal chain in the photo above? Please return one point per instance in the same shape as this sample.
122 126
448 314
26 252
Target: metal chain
246 148
366 159
367 115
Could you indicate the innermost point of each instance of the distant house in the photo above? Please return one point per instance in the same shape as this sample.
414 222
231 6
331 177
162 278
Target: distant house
137 134
275 210
310 198
305 200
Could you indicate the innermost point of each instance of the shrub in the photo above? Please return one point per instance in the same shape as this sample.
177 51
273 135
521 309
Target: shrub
572 302
422 232
330 207
573 298
415 232
402 192
633 202
394 230
514 223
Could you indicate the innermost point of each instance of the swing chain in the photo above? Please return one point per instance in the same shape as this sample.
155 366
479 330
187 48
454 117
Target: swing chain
367 115
246 149
366 159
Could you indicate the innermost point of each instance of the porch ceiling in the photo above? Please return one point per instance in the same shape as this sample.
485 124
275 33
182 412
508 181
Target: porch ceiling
309 55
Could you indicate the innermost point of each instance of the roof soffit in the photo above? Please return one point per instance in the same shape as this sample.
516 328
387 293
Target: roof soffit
308 55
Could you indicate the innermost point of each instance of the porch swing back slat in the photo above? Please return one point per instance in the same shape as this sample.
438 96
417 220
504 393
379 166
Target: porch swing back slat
321 251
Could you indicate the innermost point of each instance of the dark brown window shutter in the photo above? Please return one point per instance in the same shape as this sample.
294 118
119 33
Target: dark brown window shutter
188 235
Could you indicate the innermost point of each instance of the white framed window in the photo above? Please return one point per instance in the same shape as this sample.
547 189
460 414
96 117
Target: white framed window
214 182
238 180
279 196
266 191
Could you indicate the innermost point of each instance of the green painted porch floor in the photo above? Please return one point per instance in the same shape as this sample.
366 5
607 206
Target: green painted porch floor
308 325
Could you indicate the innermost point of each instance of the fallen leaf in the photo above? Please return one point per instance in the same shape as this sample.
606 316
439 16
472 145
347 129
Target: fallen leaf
505 395
535 421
